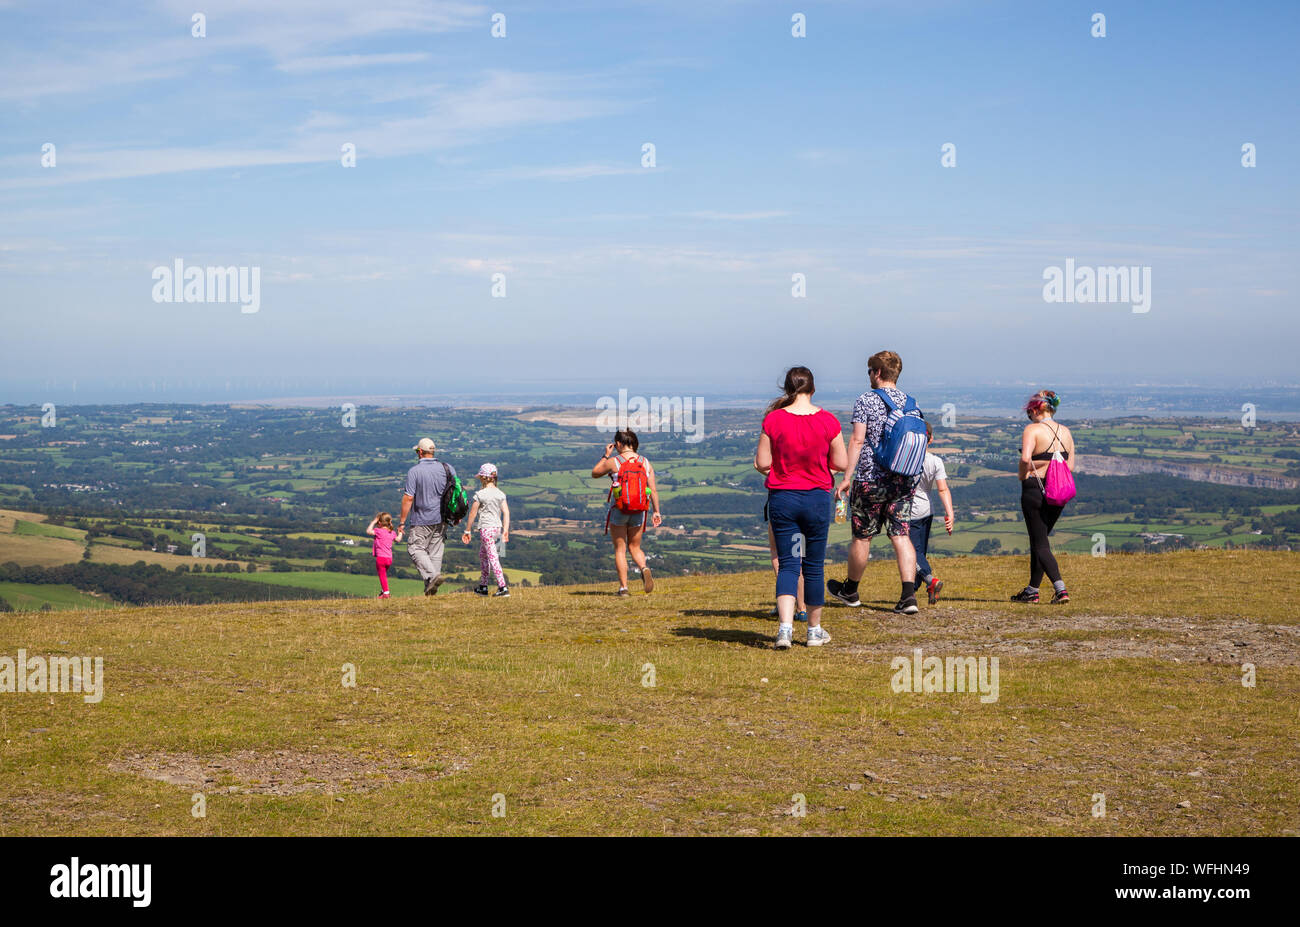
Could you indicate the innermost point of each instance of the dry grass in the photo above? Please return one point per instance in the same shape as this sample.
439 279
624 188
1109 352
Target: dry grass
1134 691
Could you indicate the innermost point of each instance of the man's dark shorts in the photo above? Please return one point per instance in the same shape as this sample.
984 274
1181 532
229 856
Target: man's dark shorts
886 503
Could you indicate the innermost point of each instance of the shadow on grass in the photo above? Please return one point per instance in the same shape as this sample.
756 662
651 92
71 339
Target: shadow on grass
727 613
727 636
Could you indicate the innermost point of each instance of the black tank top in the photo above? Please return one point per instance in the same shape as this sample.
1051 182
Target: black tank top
1047 454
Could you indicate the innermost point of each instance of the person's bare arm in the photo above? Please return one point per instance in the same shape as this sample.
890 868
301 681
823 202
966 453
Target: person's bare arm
856 444
605 465
1026 452
946 495
1069 440
653 486
407 500
505 521
763 454
469 520
370 528
839 456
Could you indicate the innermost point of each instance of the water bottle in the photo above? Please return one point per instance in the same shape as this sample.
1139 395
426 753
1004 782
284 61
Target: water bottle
841 510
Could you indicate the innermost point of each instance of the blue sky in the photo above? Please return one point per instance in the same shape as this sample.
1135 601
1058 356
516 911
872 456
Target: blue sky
522 155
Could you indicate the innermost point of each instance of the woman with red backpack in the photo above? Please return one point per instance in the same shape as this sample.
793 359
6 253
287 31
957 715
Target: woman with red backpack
633 498
1046 484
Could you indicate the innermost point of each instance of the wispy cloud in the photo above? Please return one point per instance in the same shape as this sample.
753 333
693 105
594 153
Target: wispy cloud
344 62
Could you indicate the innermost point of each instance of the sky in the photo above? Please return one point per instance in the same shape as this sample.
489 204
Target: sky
523 155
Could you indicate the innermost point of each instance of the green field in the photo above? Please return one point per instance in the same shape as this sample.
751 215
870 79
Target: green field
342 583
32 596
44 530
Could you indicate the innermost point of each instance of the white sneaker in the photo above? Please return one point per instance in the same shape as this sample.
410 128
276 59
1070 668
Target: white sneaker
818 636
784 636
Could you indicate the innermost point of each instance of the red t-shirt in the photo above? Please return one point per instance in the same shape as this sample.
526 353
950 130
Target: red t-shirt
801 448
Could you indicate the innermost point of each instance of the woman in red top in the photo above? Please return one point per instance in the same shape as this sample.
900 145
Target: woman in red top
800 446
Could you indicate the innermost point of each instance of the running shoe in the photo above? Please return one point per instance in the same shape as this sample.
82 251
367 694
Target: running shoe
385 595
647 580
502 593
784 636
907 606
480 590
1060 598
934 587
818 636
623 591
1024 595
835 588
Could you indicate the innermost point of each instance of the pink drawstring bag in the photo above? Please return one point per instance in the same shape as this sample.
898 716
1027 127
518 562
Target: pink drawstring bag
1058 488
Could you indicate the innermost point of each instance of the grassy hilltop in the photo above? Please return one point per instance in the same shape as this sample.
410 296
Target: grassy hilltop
1134 690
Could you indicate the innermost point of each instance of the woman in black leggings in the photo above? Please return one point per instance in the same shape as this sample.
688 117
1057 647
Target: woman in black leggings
1041 437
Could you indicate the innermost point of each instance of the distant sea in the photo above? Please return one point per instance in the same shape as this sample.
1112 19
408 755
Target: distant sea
1277 403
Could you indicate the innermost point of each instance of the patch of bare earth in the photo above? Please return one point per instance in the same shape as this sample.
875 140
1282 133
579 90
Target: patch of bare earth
281 772
1039 633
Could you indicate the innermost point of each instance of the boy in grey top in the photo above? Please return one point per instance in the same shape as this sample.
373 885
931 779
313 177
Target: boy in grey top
422 502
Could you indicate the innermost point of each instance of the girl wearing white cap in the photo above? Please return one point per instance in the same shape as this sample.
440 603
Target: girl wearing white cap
493 514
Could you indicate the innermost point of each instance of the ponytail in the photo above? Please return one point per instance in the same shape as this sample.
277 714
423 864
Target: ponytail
797 380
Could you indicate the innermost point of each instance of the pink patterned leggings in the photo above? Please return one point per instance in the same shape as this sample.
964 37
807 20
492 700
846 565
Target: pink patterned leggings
488 561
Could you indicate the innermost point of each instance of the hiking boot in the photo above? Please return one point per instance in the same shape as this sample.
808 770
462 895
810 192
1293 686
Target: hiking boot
431 585
784 636
647 580
1060 598
835 587
907 606
1024 595
502 593
818 636
933 588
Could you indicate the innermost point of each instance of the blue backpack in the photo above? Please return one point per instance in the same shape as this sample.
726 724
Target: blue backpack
902 440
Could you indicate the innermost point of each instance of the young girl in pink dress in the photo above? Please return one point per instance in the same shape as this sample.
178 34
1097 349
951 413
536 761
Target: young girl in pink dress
381 529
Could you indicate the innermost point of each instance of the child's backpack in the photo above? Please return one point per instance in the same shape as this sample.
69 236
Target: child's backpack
632 486
1058 488
454 504
902 441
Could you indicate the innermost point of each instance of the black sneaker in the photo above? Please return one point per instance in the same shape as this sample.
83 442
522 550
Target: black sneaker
1025 596
480 590
907 606
501 593
834 587
1060 598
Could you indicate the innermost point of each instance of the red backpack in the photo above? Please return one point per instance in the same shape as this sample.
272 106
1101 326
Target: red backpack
631 486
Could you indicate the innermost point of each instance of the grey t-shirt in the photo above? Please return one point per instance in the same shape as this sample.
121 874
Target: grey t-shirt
489 499
425 482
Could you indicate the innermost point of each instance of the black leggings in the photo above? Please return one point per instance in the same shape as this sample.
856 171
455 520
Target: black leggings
1040 518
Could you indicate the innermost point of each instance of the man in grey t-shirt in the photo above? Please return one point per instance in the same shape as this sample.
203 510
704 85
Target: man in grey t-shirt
422 501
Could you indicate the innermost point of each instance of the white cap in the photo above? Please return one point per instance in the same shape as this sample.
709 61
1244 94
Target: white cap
425 444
